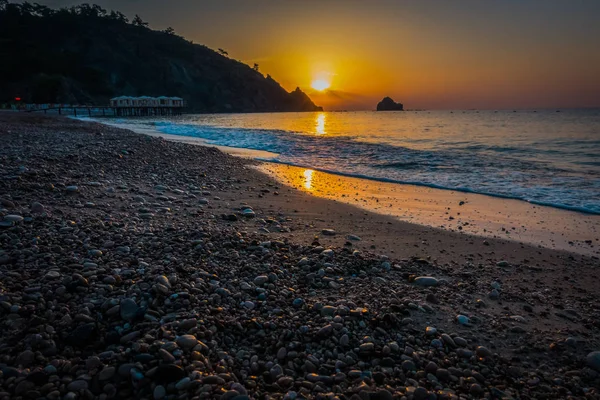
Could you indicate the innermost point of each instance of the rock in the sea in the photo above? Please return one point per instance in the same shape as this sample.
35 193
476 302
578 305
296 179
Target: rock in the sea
593 360
388 104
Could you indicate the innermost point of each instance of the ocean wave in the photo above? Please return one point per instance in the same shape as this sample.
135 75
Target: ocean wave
507 171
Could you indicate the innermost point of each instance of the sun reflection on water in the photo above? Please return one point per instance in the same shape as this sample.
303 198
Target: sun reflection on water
320 124
308 177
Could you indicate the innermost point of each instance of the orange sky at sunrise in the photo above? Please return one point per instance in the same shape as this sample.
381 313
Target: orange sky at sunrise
426 54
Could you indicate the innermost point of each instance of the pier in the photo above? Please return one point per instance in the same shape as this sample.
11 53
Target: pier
144 106
123 106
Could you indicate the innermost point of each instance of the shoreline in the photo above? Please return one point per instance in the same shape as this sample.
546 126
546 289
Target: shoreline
136 262
481 215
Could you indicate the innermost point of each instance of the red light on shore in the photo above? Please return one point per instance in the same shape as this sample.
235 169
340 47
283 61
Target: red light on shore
17 99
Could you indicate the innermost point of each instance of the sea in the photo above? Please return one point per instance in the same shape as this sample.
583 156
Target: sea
546 157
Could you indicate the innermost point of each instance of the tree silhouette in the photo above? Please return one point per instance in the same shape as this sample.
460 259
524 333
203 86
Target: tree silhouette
138 21
118 16
255 67
169 31
223 52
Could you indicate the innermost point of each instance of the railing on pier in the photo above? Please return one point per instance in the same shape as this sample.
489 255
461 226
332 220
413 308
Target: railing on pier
91 111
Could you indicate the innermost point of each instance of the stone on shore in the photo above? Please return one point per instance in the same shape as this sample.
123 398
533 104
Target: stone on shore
593 360
426 281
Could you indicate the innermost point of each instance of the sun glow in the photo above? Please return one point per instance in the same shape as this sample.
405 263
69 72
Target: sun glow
320 84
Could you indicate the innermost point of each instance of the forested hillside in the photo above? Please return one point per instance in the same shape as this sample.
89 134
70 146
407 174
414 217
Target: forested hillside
87 55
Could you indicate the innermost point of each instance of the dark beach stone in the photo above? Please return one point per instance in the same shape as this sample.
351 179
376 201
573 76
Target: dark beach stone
37 208
13 218
426 281
593 360
168 373
107 373
420 393
26 358
38 377
129 309
82 335
483 352
77 385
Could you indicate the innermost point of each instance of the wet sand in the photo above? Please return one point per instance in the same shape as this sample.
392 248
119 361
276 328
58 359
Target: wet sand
467 213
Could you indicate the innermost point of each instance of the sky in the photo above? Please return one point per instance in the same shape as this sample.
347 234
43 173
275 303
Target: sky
427 54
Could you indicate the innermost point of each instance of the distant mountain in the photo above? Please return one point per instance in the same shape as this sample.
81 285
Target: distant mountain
87 55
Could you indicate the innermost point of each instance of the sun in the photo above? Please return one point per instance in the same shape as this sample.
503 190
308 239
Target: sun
320 84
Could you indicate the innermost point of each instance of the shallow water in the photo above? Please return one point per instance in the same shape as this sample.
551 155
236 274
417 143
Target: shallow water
545 157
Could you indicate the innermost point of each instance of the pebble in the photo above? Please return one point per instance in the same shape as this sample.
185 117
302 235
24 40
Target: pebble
430 331
77 385
187 341
420 393
367 347
37 208
593 360
52 275
128 309
327 253
107 373
159 392
248 213
426 281
13 218
328 232
483 352
261 280
298 302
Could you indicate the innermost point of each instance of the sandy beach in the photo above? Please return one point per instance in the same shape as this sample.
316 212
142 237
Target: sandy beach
136 267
